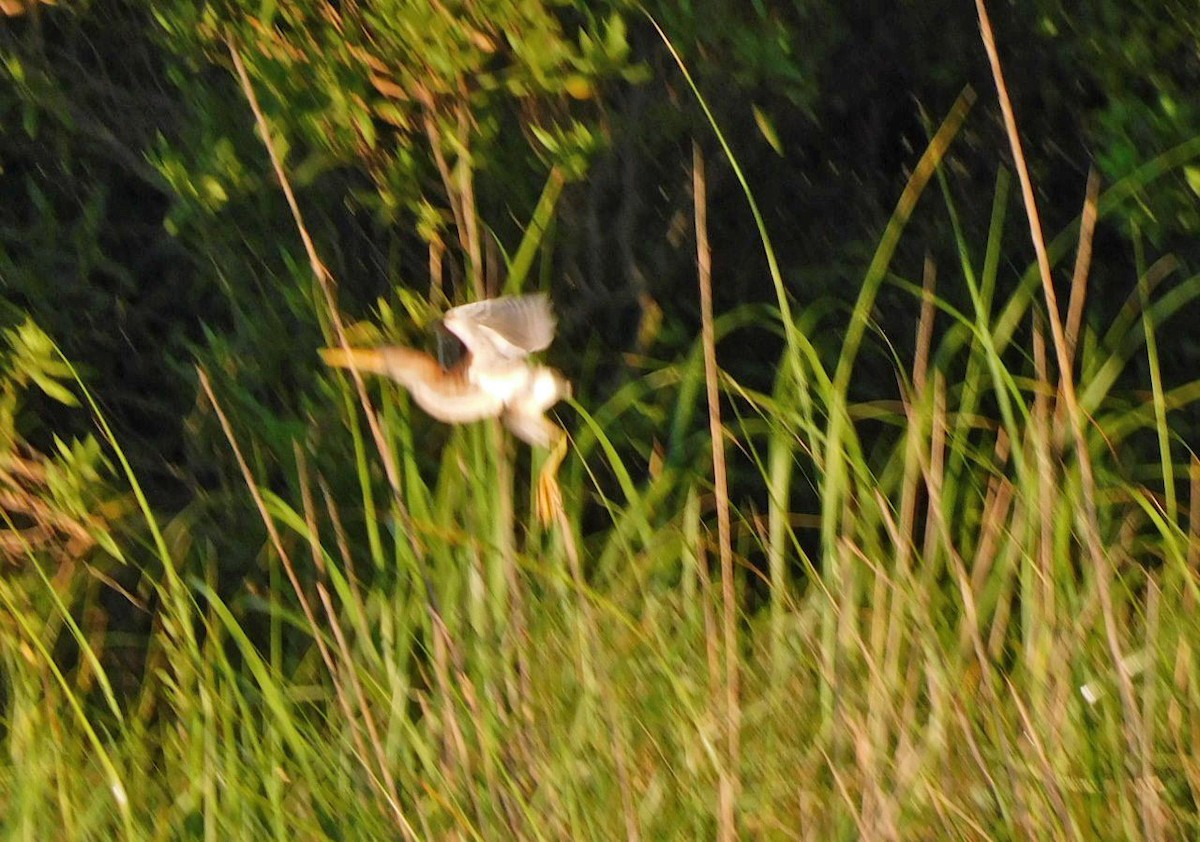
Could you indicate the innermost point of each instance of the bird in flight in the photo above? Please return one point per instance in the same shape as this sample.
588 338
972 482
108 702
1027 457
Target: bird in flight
493 379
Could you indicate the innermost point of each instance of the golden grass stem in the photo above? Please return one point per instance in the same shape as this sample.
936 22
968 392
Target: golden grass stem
1100 562
322 274
326 283
730 779
1083 262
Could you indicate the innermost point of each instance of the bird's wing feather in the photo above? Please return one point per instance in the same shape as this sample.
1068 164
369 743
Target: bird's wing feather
509 328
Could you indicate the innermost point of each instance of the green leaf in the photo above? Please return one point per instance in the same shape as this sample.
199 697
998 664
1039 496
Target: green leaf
766 128
616 42
29 122
53 388
366 128
214 191
1192 174
392 114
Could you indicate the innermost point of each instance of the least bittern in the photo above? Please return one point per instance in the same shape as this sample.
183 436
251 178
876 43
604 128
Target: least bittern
493 379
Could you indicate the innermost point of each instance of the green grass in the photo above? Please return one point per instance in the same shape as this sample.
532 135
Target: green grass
921 633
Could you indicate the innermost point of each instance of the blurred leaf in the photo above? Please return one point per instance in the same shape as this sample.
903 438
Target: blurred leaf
52 388
35 358
1192 174
767 129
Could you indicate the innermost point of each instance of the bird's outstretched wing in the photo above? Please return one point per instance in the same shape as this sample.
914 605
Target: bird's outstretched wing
507 328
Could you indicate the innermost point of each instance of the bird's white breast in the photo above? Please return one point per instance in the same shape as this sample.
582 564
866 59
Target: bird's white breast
504 383
544 388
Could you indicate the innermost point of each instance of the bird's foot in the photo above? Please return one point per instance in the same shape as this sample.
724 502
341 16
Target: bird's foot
548 504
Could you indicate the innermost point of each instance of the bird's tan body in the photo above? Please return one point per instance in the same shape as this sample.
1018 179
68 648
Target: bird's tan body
495 377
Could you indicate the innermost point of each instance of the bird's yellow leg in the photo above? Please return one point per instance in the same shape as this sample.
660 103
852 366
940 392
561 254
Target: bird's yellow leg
549 503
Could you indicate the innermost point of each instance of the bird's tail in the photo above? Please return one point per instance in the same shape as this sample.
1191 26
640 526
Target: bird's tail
364 359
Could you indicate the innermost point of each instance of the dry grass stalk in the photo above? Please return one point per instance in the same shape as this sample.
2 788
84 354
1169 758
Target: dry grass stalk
729 783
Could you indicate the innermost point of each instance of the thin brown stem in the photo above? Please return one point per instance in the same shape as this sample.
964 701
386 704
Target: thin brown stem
466 197
730 778
443 167
1083 262
1091 530
326 282
323 276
